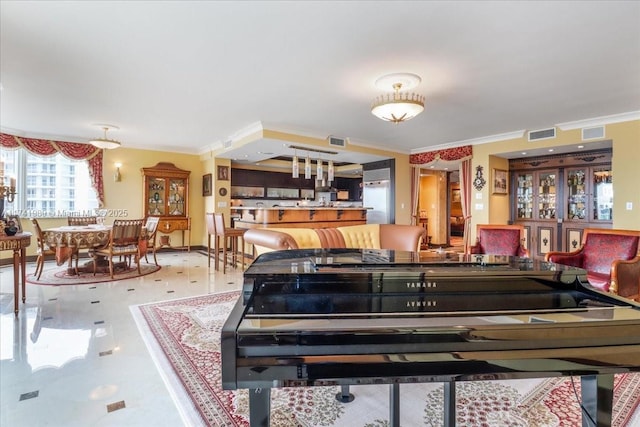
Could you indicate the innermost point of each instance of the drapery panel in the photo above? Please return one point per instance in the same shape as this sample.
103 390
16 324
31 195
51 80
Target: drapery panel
465 198
71 150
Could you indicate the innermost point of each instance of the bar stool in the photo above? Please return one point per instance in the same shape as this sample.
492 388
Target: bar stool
229 235
211 231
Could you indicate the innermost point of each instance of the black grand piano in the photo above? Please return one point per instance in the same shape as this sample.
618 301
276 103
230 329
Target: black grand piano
348 316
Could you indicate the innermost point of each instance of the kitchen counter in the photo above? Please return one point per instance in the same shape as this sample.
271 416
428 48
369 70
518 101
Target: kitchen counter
304 216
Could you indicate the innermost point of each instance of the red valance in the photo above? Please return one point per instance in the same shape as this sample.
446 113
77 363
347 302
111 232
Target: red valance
450 154
71 150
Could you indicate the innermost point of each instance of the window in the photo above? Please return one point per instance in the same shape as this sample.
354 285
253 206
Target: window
51 186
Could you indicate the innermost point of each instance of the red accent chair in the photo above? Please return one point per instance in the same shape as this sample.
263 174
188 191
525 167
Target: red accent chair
611 258
499 240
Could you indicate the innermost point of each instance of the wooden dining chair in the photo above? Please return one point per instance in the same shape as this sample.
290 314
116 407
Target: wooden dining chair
82 220
151 225
124 241
43 250
229 236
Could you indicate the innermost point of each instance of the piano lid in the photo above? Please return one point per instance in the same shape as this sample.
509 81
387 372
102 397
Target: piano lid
357 263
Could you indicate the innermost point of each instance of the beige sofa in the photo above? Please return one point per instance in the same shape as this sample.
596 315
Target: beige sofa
368 236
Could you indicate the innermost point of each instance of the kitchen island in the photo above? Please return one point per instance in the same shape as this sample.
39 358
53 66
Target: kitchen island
285 217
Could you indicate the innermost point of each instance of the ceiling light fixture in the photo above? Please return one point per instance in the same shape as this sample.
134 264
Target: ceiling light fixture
104 142
399 106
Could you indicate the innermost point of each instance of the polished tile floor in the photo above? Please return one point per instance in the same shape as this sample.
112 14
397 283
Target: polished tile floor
74 357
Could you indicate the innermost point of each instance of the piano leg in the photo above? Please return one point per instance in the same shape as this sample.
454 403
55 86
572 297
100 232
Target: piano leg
449 403
597 399
394 405
344 396
259 407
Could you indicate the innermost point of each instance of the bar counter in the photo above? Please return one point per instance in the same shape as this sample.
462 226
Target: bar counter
294 217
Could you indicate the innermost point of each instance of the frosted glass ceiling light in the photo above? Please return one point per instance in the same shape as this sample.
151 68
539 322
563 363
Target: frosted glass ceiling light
105 142
398 106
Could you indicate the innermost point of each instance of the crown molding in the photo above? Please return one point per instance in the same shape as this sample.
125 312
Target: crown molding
474 141
600 121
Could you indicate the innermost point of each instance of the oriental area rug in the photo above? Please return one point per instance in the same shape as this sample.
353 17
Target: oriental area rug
183 337
58 276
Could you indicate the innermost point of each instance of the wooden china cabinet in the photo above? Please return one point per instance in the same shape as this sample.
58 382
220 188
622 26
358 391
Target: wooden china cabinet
556 197
166 195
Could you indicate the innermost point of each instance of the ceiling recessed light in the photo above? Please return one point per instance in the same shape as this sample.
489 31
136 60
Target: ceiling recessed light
551 150
524 153
580 146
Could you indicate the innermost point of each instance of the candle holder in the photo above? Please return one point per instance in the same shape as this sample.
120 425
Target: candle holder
8 193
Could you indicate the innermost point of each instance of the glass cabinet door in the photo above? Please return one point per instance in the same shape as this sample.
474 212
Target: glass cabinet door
576 194
176 197
602 194
524 196
546 195
156 196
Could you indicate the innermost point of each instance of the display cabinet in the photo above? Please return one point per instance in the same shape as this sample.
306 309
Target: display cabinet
536 196
556 197
166 195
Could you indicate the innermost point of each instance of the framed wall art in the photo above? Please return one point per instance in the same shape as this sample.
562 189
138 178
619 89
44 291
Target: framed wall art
223 173
500 181
206 185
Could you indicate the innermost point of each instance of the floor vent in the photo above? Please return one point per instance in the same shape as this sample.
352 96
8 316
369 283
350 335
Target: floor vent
593 133
537 135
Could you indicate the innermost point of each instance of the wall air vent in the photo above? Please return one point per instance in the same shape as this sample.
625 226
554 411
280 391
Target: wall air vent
593 133
337 142
537 135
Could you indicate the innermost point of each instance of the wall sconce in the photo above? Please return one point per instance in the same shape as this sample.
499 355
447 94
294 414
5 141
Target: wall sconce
116 176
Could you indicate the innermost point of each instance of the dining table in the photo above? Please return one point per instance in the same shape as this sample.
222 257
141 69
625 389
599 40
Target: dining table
68 239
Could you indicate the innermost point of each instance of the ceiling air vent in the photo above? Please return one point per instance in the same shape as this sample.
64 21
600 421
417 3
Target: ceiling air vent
227 144
537 135
593 133
337 142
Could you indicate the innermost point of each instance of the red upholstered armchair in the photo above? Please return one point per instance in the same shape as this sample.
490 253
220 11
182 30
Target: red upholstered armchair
499 240
611 258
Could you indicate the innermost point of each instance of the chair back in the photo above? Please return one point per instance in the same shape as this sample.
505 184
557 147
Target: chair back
601 247
218 223
210 221
39 235
499 239
152 226
82 220
126 232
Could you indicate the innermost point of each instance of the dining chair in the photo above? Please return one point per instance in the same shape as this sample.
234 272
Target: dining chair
124 241
151 225
82 220
229 236
44 250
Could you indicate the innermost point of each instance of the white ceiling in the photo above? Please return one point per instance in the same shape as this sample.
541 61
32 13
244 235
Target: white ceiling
188 76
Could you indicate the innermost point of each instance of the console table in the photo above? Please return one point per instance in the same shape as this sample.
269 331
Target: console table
18 244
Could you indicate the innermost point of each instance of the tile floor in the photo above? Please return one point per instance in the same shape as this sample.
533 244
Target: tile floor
74 357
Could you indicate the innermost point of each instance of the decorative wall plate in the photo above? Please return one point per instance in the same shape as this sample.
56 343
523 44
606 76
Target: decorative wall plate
222 191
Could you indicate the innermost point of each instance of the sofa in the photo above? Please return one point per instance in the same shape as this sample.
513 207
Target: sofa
611 258
367 236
